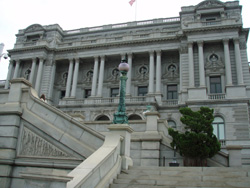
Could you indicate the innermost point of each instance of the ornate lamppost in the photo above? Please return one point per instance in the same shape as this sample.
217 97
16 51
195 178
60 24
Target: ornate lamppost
120 117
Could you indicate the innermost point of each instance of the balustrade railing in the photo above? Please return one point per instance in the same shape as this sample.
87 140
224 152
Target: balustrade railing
172 102
217 96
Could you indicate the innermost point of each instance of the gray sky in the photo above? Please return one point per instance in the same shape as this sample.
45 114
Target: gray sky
75 14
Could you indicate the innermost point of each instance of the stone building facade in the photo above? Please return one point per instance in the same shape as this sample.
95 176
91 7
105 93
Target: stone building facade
196 59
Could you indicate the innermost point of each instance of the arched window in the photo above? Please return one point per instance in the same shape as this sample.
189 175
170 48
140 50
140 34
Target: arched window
103 118
134 117
219 128
171 123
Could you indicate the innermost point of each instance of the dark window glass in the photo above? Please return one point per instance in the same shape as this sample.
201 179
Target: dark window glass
215 84
103 118
218 126
87 93
142 90
62 95
172 92
114 92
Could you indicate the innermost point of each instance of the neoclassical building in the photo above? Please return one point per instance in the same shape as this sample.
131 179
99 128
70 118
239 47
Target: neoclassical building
196 59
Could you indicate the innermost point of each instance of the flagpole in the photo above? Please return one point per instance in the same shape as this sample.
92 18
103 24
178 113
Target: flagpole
136 9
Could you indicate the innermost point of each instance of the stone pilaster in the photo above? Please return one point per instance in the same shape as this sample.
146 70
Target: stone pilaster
94 80
191 64
234 156
229 81
158 71
75 78
69 79
7 83
101 77
201 64
16 69
129 74
39 75
238 62
33 69
151 73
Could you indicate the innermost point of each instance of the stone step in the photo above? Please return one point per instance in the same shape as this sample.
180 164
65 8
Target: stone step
180 177
175 183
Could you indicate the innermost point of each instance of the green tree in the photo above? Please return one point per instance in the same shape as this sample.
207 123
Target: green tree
198 142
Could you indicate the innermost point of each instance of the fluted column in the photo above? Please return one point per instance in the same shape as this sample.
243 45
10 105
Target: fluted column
7 83
39 75
69 78
33 69
238 62
75 78
94 80
158 72
201 64
227 63
129 75
16 69
191 64
151 72
101 76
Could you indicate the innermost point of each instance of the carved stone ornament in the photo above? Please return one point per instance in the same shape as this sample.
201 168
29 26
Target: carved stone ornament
208 4
33 145
143 72
214 63
172 71
89 76
64 78
34 27
27 74
115 74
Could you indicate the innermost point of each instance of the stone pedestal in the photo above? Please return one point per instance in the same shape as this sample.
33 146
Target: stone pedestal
124 130
197 93
236 92
234 156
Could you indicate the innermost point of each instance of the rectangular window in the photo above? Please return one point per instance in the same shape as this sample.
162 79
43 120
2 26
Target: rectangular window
87 93
114 92
215 84
172 92
142 90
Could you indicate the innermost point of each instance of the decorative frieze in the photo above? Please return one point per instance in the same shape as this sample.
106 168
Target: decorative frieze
32 145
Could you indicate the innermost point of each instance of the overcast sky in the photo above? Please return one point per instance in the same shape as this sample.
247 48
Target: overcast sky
74 14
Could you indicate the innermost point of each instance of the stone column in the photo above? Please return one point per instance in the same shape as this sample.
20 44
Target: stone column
227 63
52 80
39 75
191 64
158 72
235 157
101 76
94 80
16 69
69 79
128 86
33 69
201 64
7 83
151 72
75 78
238 62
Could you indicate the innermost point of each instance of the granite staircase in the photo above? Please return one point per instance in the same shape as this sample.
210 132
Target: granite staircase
183 177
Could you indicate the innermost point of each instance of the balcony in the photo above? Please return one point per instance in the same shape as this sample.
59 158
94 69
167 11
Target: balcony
219 96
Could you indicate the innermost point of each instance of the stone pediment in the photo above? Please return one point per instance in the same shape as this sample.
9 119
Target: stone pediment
34 28
34 146
209 4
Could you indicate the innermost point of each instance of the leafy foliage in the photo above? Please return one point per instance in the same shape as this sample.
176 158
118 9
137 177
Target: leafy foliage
198 141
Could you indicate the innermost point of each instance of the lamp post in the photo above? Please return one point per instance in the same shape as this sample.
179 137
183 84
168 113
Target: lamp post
120 117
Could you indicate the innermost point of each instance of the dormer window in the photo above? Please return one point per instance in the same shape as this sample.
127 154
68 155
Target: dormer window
33 38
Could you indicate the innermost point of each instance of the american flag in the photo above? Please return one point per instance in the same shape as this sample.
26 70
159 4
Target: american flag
131 2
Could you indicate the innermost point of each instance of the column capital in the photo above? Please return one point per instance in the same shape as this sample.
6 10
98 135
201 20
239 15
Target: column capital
190 44
17 60
200 43
77 59
70 60
96 57
158 52
130 54
34 59
225 40
102 57
236 40
151 52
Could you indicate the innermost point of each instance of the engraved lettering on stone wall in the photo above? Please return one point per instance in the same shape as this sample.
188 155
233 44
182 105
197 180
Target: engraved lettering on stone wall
34 145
